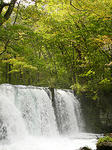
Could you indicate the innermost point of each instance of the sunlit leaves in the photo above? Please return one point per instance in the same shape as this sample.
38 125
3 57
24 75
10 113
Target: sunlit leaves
60 43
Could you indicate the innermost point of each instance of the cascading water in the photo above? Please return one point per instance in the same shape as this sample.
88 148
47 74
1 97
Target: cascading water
36 108
30 104
68 112
11 122
27 113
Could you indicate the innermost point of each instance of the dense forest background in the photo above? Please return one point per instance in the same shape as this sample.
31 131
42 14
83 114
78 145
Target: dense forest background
61 44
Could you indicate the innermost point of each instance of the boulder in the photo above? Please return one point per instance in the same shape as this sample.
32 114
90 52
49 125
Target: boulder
85 148
104 143
104 146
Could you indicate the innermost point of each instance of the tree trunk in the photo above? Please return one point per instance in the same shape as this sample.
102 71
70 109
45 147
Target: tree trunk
9 77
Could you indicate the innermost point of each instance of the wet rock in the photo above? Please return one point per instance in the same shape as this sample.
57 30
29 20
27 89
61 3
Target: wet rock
104 143
104 146
3 130
108 134
85 148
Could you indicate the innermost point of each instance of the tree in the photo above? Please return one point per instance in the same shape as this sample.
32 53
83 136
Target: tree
55 44
6 16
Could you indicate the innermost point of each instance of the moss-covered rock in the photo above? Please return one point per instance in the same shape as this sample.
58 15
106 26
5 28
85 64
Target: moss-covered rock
104 143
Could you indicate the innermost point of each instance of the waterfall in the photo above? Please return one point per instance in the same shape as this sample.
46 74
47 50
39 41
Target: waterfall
28 110
37 111
12 124
68 112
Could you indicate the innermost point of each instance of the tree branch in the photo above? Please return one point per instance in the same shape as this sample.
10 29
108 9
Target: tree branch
5 4
17 12
2 5
5 48
8 12
7 42
76 7
10 9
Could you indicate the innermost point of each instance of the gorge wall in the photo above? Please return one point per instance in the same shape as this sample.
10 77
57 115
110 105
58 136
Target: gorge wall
97 113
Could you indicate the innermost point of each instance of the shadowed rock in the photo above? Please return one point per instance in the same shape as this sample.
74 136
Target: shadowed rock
85 148
104 146
3 130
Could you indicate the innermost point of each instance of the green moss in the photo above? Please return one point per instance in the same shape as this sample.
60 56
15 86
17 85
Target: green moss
104 139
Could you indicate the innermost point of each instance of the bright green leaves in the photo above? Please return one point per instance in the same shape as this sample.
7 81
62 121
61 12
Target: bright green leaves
58 44
89 74
104 139
105 85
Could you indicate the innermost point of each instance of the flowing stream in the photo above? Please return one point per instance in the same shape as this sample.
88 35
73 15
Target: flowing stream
30 121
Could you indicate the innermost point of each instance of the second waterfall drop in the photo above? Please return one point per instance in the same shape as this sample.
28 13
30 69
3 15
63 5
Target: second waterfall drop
68 112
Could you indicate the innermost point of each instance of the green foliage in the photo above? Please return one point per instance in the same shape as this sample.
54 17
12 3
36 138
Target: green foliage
53 43
79 88
104 139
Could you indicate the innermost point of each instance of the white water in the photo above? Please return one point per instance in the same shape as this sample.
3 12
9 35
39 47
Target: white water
37 111
68 111
41 143
30 124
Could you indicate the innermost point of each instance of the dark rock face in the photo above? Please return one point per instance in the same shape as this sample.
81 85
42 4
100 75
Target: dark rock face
3 130
104 146
97 113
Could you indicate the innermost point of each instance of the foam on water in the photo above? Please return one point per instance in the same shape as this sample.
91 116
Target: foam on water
43 143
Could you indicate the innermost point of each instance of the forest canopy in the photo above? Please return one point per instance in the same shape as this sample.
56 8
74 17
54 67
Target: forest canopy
61 44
